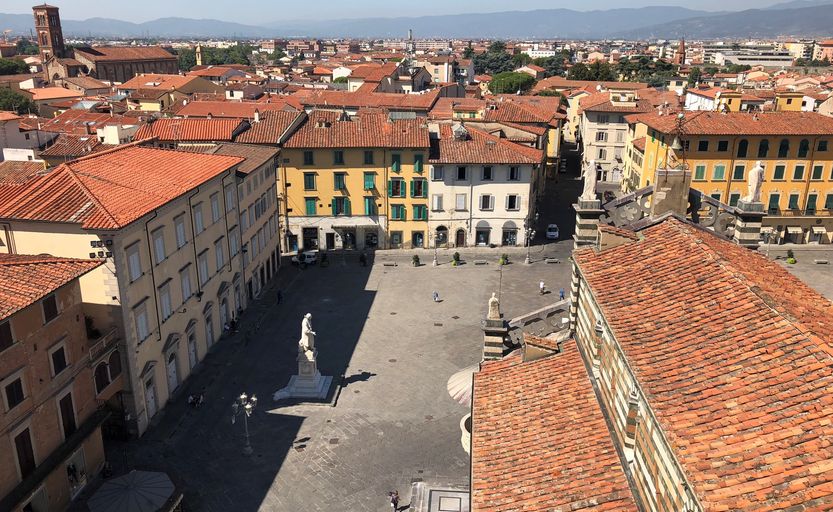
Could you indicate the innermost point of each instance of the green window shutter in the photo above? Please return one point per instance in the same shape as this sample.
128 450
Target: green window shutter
390 188
333 206
811 203
779 172
412 188
418 163
347 209
396 162
700 172
369 181
828 202
774 200
793 202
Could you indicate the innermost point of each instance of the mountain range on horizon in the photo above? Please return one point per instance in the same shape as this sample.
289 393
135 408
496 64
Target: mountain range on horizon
810 18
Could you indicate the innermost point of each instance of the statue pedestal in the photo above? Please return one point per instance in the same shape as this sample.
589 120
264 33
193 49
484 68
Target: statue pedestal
309 383
748 220
587 221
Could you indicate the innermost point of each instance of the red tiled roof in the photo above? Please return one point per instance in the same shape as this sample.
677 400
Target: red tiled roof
479 148
80 122
255 156
337 99
271 127
600 102
191 129
639 144
73 146
111 189
13 172
244 109
369 129
742 123
735 358
211 71
558 82
27 279
539 439
52 93
8 116
156 81
116 53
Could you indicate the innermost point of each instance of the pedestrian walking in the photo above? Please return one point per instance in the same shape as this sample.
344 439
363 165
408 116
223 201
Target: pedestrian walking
436 296
394 499
541 287
561 294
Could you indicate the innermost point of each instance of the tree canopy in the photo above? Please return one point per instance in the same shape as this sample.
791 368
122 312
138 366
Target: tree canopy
16 102
510 82
237 54
26 47
601 71
494 61
13 67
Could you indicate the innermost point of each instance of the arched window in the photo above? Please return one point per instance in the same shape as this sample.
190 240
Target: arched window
803 148
763 148
743 147
102 377
115 364
442 235
784 148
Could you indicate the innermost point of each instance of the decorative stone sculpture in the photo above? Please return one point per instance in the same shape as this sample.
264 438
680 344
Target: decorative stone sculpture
494 308
308 383
589 175
756 177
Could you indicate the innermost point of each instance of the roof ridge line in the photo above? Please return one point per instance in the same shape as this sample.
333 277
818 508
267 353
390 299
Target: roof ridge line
89 194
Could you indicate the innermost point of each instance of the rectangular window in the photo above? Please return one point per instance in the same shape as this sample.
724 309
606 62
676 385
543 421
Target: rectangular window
185 282
715 195
339 183
370 205
341 206
215 207
601 136
134 262
602 154
25 452
179 228
418 163
487 173
244 220
828 202
397 212
420 212
798 173
513 202
202 266
199 225
166 305
50 308
774 203
309 181
811 204
308 160
234 241
219 254
396 162
793 202
6 339
338 157
229 198
140 316
733 199
368 157
822 145
818 172
603 119
67 415
462 174
369 180
514 173
487 202
311 205
460 202
703 145
419 188
158 245
778 174
437 202
723 145
700 172
14 393
719 172
437 173
396 188
396 238
58 358
739 171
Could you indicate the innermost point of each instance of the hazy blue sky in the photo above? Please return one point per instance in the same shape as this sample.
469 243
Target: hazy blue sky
264 11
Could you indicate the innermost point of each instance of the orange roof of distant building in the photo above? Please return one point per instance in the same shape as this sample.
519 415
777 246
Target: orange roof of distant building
539 440
73 146
558 82
124 53
479 147
742 123
368 129
156 81
271 128
211 71
111 189
5 115
52 93
192 129
81 122
639 144
601 102
238 109
734 356
16 172
334 99
27 279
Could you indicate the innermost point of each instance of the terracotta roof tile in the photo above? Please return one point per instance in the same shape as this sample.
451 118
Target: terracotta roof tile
111 189
14 172
539 440
116 53
156 81
240 109
27 279
271 127
369 129
192 129
337 99
80 122
479 148
73 146
558 82
733 355
52 93
742 123
8 116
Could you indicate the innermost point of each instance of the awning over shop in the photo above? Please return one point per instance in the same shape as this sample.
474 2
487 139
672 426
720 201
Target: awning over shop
819 230
794 230
767 229
358 222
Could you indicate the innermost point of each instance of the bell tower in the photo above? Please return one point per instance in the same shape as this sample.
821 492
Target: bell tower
48 30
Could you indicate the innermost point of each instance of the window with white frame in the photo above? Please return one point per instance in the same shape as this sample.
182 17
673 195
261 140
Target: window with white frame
219 254
460 203
229 198
234 241
487 202
199 224
513 202
158 237
179 228
601 136
140 317
215 207
437 202
202 266
437 173
134 262
602 154
185 282
165 303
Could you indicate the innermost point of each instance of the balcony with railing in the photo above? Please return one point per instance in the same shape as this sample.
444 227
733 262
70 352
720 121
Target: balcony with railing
102 344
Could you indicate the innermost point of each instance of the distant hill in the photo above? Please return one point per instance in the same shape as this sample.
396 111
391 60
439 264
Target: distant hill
814 21
798 4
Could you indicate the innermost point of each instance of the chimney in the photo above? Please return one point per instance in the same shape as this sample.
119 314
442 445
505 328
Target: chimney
257 115
671 187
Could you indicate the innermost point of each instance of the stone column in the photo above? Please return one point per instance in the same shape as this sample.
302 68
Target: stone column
575 281
748 219
494 331
587 221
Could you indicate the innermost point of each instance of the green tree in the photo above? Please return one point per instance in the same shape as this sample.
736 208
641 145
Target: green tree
16 102
26 47
510 82
694 76
579 71
468 53
340 80
552 65
13 67
551 92
186 59
497 47
521 59
711 70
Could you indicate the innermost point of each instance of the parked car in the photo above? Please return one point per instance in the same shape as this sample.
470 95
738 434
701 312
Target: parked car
307 258
552 232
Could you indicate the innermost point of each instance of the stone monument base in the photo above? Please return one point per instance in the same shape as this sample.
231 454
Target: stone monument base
316 387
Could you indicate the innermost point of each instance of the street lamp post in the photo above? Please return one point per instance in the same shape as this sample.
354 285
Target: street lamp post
246 405
432 237
530 233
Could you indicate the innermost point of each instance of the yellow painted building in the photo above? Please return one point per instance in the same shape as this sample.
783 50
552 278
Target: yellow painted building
795 149
355 182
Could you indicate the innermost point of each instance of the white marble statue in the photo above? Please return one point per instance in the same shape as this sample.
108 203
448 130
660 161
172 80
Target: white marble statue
589 175
494 308
756 177
306 345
